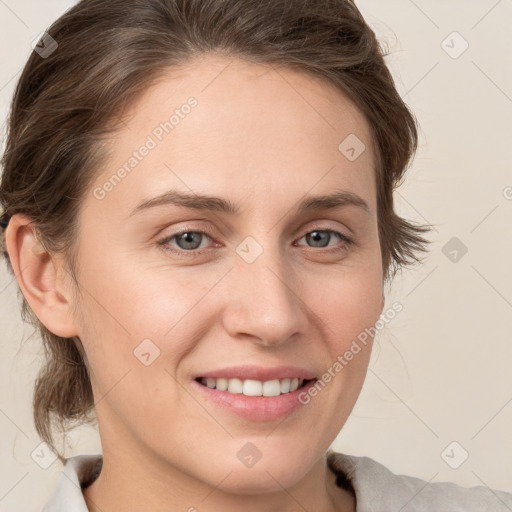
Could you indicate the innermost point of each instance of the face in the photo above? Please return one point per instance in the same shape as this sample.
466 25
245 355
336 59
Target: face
256 279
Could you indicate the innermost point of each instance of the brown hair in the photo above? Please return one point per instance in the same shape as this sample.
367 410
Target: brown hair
108 53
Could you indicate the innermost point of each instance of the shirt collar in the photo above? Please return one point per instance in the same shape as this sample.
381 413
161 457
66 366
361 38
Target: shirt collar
78 472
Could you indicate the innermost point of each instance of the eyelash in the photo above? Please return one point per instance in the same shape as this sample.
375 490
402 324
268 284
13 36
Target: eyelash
347 241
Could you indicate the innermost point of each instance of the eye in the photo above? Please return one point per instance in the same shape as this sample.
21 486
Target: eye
190 242
186 241
320 238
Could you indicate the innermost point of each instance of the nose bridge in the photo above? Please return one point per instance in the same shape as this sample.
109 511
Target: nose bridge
265 304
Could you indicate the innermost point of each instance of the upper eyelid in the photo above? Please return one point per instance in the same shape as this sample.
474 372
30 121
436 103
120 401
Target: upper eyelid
317 225
209 232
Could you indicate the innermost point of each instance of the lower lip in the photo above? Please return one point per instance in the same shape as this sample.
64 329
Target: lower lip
256 408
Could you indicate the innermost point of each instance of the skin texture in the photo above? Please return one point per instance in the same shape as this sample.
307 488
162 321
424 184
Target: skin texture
263 138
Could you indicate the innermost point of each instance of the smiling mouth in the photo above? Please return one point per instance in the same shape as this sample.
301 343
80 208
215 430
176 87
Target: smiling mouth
251 387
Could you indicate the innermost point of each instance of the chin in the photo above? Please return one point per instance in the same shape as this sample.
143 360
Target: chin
259 481
268 474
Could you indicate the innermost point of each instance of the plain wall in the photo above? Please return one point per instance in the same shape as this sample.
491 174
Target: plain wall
440 370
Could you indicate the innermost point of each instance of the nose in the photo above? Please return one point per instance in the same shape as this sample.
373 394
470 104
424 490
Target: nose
264 302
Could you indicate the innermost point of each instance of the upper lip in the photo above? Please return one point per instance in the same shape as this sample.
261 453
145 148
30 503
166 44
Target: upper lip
259 373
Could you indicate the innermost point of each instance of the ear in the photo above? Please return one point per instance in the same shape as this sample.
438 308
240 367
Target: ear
41 277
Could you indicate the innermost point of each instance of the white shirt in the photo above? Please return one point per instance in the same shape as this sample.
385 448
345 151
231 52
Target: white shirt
376 488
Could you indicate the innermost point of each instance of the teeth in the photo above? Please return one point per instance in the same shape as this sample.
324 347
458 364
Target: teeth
250 387
285 385
235 386
253 387
221 384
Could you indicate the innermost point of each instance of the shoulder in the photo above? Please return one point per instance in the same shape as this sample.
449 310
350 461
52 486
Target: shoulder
379 489
78 472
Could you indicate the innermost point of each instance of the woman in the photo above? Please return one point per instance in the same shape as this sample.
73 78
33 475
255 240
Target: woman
199 215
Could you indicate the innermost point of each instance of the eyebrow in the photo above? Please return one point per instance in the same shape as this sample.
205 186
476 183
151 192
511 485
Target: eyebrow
218 204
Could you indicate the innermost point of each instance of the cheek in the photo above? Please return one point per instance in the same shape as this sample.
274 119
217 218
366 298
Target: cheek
142 300
127 314
348 304
347 301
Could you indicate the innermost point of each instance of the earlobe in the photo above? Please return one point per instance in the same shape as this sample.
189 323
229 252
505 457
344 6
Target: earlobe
38 276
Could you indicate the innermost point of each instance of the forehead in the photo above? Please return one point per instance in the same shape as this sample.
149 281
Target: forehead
222 124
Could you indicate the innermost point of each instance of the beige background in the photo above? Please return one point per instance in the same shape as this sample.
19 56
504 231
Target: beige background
440 371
